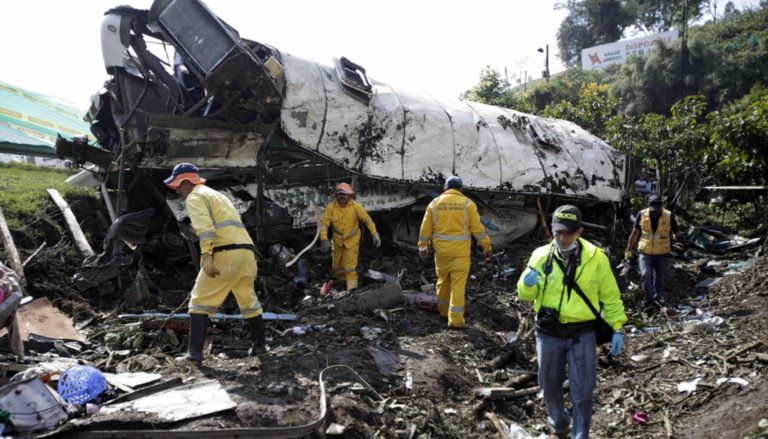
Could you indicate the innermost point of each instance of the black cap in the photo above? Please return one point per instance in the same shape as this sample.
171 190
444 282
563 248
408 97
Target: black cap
654 200
566 217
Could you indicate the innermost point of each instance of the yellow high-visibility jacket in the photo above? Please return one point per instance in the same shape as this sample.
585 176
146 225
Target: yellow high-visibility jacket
449 223
215 219
344 221
594 277
659 243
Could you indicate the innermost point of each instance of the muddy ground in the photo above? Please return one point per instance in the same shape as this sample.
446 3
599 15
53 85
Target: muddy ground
429 390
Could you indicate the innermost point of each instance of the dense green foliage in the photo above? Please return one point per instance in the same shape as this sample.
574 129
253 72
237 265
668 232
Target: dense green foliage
594 22
717 134
722 62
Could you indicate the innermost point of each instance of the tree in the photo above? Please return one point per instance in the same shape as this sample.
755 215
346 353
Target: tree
494 90
594 107
738 137
591 22
649 84
672 144
661 15
490 88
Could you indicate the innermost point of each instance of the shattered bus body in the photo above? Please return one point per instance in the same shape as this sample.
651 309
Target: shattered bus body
276 132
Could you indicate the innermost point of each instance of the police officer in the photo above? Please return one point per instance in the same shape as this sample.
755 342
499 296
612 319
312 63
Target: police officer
564 322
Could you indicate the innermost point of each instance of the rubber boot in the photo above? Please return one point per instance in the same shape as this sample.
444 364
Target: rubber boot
258 339
351 284
198 324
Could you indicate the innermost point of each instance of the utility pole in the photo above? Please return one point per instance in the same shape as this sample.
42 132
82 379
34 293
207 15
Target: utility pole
525 82
683 50
546 61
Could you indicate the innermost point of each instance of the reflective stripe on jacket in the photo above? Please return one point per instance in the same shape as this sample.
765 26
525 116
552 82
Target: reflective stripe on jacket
449 222
215 219
344 221
594 277
658 243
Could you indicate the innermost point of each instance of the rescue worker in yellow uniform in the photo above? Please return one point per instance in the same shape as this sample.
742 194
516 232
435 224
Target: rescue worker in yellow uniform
656 227
343 216
449 224
227 260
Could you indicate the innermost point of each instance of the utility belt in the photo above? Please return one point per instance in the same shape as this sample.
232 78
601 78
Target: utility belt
548 322
224 248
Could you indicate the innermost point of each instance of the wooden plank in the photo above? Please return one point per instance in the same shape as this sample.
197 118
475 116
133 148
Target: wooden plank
74 228
505 392
13 253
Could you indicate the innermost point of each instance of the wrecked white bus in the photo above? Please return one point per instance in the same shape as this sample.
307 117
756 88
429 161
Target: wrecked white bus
276 132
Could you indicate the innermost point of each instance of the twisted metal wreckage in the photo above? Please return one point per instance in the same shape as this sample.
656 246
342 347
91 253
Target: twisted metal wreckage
275 132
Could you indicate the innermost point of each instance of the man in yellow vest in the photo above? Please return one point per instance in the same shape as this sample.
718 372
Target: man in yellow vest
227 260
449 224
564 322
343 217
656 228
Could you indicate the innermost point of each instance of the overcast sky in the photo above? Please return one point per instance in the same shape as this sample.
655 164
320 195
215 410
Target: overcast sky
53 46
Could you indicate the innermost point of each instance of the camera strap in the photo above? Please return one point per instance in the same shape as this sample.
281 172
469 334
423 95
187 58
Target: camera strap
571 283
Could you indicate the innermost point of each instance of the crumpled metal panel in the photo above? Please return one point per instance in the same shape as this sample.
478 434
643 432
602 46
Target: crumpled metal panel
179 207
413 137
302 202
179 403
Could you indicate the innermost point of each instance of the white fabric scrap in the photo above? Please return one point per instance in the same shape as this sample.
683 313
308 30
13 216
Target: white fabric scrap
740 381
689 386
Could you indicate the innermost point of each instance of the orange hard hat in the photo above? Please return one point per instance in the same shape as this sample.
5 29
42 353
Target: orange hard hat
344 188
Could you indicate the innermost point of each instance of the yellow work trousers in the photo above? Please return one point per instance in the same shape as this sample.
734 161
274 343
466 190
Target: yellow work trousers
452 275
345 263
238 272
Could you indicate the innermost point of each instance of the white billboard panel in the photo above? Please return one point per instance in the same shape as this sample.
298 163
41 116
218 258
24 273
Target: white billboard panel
599 57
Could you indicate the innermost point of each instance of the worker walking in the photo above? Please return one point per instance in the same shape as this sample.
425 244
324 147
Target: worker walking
560 278
449 223
656 227
343 216
227 260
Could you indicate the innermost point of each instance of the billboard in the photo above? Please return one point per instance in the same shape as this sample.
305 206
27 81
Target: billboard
599 57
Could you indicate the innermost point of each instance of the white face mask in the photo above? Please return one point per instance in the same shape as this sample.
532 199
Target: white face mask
568 249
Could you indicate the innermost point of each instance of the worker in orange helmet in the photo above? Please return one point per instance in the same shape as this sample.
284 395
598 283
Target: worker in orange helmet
343 217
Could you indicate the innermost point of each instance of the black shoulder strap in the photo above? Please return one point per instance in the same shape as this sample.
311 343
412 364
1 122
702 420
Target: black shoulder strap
571 283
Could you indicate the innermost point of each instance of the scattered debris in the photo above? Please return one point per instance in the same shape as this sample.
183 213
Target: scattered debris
179 403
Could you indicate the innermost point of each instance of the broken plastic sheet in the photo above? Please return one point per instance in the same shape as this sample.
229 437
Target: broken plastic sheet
132 379
387 361
127 232
33 405
180 403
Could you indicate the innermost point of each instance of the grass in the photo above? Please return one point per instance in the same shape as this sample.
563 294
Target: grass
22 190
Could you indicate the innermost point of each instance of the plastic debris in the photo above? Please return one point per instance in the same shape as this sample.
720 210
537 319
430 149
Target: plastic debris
689 386
740 381
370 333
640 417
335 429
21 399
708 325
426 301
80 384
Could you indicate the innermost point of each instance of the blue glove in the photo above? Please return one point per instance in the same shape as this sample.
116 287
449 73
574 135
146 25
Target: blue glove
531 278
617 343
